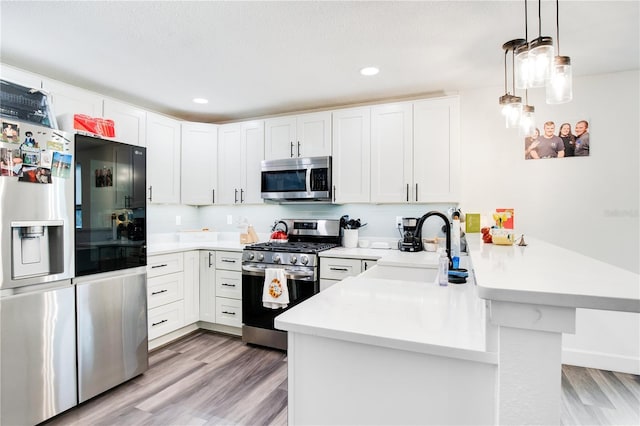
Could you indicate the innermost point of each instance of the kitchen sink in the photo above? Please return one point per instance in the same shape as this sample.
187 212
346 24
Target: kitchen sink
401 273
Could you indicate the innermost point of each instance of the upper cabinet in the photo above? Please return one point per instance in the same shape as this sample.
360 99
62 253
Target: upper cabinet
351 155
68 100
304 135
391 153
129 121
199 164
415 151
240 151
21 77
163 159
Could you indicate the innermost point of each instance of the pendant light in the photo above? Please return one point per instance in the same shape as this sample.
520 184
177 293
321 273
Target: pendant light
521 69
560 82
540 56
511 104
527 119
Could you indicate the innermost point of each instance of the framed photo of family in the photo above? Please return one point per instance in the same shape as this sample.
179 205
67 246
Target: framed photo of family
558 139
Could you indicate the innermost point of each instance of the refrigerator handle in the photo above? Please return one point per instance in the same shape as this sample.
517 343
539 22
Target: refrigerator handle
150 193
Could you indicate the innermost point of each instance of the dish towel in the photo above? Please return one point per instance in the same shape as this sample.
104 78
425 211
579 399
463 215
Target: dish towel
275 294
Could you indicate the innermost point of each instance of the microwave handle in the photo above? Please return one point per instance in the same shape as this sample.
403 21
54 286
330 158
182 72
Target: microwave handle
308 180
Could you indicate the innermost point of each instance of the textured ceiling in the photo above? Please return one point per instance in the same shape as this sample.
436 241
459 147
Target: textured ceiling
262 58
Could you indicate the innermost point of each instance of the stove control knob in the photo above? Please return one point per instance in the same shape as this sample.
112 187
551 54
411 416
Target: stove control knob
276 258
304 259
293 260
251 256
260 257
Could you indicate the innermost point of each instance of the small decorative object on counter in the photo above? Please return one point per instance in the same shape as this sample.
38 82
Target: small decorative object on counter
350 231
443 268
521 242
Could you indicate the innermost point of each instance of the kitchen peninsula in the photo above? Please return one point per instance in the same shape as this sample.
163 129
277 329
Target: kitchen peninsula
487 352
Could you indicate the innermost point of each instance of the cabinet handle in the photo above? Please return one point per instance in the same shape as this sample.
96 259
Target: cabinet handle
365 265
236 197
159 266
228 260
210 257
241 196
150 193
159 292
228 285
228 313
339 269
298 148
292 149
158 323
334 193
407 193
416 192
213 196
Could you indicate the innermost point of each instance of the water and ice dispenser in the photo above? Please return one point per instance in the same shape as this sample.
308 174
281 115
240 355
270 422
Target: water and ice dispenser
37 248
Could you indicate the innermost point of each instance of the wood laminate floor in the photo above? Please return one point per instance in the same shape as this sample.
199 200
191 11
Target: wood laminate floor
213 379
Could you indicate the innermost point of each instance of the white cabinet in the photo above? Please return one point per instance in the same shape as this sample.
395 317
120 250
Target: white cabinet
208 286
68 100
304 135
436 150
240 151
165 293
129 121
163 159
199 163
191 287
18 76
333 270
351 155
229 288
391 153
415 151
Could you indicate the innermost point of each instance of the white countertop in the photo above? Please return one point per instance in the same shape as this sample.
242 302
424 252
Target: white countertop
406 315
546 274
356 253
174 246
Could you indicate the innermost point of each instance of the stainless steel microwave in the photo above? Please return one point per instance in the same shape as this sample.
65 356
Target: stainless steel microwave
296 179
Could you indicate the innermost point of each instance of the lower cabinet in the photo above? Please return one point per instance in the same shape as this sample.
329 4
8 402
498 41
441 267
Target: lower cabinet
208 286
165 319
229 288
333 269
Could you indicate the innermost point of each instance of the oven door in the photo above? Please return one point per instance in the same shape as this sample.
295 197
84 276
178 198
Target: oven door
302 284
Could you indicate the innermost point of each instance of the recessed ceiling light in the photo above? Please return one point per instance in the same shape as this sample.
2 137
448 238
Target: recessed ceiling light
200 100
369 71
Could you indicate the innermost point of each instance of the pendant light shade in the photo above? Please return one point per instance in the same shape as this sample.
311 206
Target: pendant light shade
560 83
540 60
511 104
521 68
528 121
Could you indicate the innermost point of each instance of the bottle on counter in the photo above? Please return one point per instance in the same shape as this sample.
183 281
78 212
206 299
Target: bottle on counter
443 267
455 242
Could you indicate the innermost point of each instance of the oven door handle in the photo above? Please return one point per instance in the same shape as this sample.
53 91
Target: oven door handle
294 275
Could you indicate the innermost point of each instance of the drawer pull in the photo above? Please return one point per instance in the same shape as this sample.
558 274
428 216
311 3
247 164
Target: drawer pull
159 292
228 313
228 285
159 266
339 269
228 260
158 323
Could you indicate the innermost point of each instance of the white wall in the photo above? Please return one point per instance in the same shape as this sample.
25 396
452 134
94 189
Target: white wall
589 205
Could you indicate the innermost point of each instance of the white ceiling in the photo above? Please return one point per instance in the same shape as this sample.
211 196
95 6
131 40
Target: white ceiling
262 58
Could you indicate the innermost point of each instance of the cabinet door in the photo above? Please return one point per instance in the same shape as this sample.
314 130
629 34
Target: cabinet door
208 286
191 287
129 121
68 100
18 76
199 163
163 159
351 155
339 269
252 154
313 135
280 138
436 143
391 153
229 166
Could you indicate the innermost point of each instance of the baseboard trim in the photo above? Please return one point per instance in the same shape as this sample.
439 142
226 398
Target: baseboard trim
601 361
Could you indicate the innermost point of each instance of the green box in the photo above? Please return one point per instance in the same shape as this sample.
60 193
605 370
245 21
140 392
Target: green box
472 222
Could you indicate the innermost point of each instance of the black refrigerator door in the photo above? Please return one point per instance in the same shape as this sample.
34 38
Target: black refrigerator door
110 220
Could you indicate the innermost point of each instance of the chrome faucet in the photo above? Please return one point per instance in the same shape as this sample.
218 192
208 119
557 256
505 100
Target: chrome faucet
447 230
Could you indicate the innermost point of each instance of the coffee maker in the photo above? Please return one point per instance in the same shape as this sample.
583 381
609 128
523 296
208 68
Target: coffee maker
410 241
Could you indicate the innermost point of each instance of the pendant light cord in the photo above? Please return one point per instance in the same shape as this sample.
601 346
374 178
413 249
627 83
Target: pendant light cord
558 26
539 19
526 21
505 71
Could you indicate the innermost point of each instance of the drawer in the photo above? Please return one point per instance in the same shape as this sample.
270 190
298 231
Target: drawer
339 269
164 264
165 289
229 284
229 260
165 319
325 284
229 311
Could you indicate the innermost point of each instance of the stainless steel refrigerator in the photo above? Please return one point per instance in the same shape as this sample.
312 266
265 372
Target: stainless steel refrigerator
110 253
37 298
